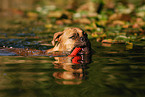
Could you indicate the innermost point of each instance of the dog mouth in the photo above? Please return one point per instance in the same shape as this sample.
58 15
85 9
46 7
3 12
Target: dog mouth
84 49
84 45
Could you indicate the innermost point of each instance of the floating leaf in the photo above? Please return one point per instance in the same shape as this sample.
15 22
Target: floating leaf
107 41
129 46
48 26
94 35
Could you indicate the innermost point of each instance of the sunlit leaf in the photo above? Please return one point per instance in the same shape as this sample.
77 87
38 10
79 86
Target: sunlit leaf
32 15
129 45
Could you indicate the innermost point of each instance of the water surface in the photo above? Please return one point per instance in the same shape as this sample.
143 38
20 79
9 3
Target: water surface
111 71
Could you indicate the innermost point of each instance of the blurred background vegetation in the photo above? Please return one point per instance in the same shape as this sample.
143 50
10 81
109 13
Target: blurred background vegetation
29 4
110 21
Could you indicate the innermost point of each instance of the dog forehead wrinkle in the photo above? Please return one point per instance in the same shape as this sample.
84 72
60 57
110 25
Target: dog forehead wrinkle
69 32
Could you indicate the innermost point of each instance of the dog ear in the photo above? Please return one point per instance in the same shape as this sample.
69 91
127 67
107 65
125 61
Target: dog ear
56 37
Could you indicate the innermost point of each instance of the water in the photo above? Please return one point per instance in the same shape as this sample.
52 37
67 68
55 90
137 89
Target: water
111 71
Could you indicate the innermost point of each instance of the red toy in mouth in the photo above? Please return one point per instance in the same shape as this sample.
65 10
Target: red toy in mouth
76 51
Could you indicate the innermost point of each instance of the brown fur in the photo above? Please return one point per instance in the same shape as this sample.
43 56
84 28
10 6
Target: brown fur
69 39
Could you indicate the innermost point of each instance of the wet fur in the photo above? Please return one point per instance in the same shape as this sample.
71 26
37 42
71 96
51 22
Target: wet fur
69 39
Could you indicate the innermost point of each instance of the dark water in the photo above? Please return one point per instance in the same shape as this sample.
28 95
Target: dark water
111 71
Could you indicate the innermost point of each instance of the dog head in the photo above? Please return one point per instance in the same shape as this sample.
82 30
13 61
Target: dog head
71 38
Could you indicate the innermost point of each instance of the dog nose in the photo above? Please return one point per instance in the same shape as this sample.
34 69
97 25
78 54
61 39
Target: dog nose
82 39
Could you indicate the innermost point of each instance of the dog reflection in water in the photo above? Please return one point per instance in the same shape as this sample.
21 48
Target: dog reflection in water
75 69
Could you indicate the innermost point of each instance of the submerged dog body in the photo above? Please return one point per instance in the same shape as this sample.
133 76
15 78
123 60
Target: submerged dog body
69 39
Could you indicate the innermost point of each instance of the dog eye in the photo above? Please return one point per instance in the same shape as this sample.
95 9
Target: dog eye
72 37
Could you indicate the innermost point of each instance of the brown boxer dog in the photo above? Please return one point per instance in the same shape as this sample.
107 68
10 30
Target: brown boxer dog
69 39
62 41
